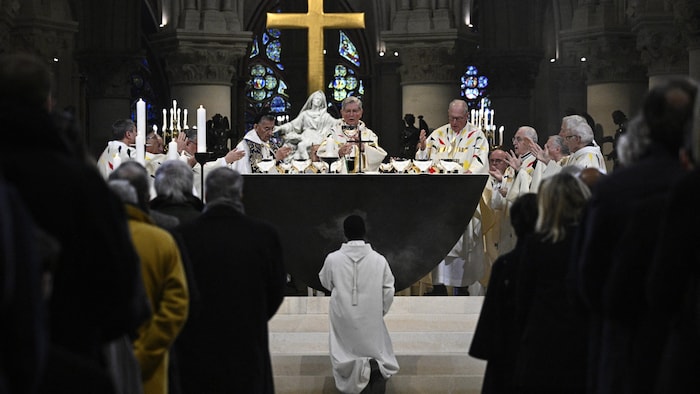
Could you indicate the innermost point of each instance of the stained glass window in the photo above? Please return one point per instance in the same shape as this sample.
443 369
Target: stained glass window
473 87
266 90
345 82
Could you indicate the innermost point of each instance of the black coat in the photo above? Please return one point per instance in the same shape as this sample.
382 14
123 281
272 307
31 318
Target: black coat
496 336
607 217
97 274
552 351
673 288
184 211
237 264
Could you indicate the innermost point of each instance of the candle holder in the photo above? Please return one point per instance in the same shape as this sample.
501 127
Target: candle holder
202 158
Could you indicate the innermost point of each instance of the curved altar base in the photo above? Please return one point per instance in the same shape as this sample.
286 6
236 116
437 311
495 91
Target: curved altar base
413 220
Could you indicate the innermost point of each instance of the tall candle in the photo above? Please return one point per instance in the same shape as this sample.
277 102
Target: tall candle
500 135
141 131
184 119
172 151
201 129
165 120
178 119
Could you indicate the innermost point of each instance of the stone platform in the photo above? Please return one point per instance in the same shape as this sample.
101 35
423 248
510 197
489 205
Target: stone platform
431 337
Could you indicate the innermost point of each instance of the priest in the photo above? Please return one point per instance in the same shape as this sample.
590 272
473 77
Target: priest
344 136
466 145
257 147
120 149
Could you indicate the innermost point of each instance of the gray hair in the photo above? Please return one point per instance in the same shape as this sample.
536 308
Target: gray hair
568 122
584 131
224 185
458 103
530 132
137 176
174 180
559 141
121 126
350 100
123 189
634 143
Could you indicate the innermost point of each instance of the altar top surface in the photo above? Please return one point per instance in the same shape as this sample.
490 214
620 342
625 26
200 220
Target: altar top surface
414 220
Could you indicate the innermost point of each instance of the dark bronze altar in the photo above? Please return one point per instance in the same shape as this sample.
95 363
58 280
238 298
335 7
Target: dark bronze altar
414 220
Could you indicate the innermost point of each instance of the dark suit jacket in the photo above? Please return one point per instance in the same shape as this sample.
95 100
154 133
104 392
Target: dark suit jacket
237 264
496 336
552 354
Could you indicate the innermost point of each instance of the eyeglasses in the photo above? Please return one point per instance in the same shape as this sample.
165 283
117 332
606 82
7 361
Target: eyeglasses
496 161
571 136
517 139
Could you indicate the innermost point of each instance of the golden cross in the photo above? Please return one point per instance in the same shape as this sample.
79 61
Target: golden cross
315 20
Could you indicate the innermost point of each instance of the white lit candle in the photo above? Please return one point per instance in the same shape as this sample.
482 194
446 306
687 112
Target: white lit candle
172 151
500 135
201 129
184 119
141 131
165 119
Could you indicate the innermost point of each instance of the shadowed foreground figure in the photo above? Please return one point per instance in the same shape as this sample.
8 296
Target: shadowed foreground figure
362 291
237 263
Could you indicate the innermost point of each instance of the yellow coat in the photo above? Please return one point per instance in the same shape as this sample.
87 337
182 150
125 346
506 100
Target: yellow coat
166 287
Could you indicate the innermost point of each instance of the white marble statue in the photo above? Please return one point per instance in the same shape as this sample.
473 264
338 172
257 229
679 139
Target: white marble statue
309 128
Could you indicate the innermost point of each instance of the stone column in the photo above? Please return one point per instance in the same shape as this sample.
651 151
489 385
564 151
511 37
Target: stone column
429 82
687 14
614 74
511 76
201 59
430 47
51 37
660 41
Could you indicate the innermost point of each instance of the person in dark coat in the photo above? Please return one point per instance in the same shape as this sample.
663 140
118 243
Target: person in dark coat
552 351
97 273
237 262
174 184
673 280
665 113
496 336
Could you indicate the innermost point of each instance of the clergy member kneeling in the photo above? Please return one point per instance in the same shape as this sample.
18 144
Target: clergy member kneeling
362 290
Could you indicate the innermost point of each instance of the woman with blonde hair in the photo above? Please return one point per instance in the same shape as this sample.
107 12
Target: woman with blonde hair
552 353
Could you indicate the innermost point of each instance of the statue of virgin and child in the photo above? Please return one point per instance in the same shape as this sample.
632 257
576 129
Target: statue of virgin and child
309 129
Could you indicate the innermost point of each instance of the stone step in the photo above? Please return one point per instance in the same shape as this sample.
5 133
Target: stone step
434 384
401 305
410 342
430 335
395 322
417 364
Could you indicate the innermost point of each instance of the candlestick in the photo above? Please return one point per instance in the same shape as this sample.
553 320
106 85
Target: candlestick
201 129
141 131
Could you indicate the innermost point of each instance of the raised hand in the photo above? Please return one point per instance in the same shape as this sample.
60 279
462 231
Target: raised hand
513 160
